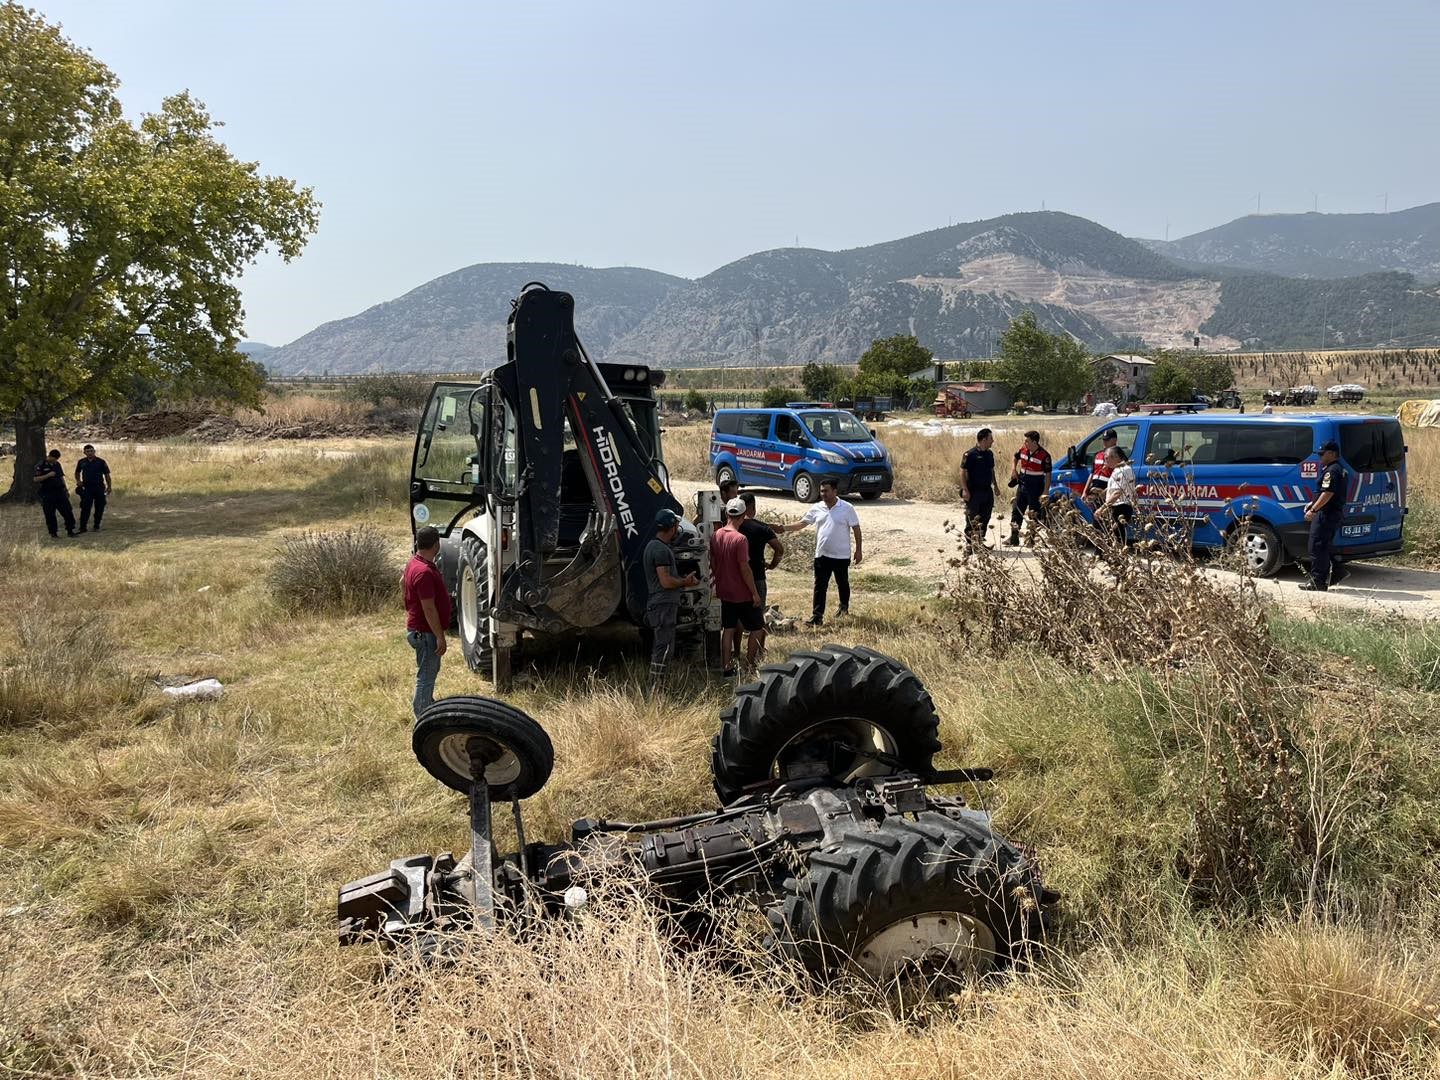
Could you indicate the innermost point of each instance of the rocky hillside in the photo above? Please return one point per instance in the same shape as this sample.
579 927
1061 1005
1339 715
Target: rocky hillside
1319 245
955 288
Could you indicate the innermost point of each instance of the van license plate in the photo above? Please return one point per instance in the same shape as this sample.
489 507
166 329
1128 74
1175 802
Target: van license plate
1354 530
870 478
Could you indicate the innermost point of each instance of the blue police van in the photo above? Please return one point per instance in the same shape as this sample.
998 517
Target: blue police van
795 448
1245 480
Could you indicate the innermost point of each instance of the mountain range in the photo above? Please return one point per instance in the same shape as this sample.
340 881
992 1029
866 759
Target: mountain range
1318 245
955 288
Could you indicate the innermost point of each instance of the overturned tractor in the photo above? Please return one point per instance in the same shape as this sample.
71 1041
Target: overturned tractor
829 827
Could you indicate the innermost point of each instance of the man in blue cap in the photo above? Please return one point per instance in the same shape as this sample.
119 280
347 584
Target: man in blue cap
664 584
1323 514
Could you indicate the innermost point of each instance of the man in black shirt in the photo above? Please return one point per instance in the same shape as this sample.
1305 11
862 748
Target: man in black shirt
759 536
1323 514
54 498
92 484
978 486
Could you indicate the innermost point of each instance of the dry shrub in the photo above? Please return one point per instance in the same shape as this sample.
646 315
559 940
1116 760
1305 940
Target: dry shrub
1346 995
1214 687
346 572
291 409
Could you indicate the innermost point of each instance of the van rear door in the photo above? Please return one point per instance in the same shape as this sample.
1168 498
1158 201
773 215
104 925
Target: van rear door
1373 452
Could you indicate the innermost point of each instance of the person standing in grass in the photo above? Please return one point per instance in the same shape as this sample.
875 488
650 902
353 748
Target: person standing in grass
427 614
760 536
978 486
1121 493
735 587
92 484
54 497
1031 479
834 520
662 606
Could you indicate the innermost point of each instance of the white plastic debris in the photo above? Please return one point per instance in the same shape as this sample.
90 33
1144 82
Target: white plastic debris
203 588
575 897
204 690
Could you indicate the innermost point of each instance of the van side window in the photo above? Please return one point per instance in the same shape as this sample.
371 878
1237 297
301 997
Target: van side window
1268 444
787 429
727 424
1369 446
754 425
1125 435
1187 445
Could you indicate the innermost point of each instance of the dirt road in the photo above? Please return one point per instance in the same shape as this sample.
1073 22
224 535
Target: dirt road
901 533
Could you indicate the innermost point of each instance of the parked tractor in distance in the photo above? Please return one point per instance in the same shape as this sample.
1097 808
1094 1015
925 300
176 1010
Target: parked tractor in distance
543 479
827 826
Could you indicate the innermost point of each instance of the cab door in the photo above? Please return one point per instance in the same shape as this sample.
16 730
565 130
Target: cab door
448 469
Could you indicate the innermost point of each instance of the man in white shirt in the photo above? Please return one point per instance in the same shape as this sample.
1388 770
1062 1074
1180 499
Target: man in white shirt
1121 493
834 521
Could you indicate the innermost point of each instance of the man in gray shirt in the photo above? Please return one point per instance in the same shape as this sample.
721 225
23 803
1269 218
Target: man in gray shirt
663 603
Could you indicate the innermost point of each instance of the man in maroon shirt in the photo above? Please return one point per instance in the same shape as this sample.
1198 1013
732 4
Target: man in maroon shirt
735 586
427 614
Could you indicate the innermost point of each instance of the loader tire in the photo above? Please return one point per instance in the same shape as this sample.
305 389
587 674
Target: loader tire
472 595
923 905
808 707
441 744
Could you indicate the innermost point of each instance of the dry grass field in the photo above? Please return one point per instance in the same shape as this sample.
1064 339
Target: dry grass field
169 870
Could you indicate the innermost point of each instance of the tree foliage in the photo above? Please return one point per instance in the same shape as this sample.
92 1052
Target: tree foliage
121 242
1041 367
822 382
775 397
1179 376
901 355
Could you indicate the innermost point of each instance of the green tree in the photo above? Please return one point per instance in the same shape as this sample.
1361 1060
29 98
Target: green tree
775 397
121 242
695 400
1180 376
1041 367
822 382
901 355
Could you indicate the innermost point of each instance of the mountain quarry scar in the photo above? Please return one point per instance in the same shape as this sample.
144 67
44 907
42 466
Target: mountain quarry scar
535 408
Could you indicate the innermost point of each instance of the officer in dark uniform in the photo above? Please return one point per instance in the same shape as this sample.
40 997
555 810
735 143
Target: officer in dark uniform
92 484
978 486
53 495
1323 514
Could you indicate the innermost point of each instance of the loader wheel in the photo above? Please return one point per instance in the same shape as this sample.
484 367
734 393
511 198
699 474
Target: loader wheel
472 593
441 741
840 712
806 490
919 906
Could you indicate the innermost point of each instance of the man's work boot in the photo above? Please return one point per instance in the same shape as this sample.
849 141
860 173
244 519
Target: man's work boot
1014 540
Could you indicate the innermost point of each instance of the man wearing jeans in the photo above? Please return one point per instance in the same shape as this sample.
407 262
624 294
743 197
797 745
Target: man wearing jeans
427 614
834 521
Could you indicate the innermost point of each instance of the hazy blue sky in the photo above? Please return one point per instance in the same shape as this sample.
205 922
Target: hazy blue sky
681 136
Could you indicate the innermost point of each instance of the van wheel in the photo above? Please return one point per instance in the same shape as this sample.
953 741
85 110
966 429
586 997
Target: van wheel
1259 546
724 475
806 490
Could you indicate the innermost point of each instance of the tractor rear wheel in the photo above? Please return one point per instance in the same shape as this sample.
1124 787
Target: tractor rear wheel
851 711
919 906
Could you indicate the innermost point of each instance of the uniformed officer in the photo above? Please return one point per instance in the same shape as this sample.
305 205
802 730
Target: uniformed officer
662 605
1031 479
1323 514
92 484
978 486
53 495
1094 492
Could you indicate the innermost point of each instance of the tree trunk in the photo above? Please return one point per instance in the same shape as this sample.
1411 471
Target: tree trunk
29 452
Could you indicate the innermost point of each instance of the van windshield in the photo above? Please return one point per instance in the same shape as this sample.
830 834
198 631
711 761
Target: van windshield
835 426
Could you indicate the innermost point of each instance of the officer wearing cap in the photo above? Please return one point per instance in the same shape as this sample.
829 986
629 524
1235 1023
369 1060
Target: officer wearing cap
664 584
92 484
53 495
1094 492
1323 514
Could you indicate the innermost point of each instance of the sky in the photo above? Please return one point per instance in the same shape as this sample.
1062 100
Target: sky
681 136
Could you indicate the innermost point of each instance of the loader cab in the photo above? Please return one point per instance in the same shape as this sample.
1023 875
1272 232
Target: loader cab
465 450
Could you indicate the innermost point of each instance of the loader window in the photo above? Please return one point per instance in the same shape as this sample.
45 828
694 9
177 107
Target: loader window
450 444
